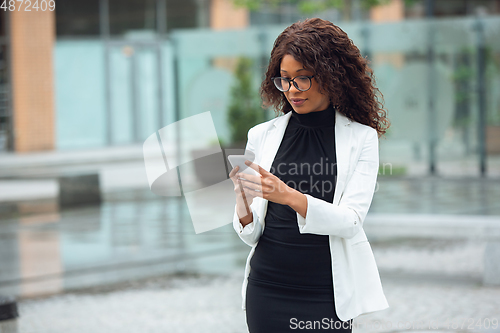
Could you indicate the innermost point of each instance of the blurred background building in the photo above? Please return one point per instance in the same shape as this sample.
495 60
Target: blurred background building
99 73
82 87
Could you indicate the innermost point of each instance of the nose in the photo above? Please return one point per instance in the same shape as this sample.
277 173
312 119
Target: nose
295 90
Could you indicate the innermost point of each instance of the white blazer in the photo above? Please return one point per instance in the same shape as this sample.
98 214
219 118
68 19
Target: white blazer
356 280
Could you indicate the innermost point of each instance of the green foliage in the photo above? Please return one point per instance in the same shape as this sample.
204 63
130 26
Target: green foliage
312 6
217 141
244 108
390 170
465 76
367 4
410 3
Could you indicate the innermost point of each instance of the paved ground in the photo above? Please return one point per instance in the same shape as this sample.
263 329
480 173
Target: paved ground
430 286
96 265
212 305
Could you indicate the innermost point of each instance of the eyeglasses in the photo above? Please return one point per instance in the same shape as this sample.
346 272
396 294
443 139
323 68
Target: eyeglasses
302 83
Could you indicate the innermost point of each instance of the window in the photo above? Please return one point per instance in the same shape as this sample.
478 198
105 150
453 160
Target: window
77 18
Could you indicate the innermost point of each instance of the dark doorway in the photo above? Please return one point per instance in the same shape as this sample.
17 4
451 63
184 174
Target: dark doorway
6 142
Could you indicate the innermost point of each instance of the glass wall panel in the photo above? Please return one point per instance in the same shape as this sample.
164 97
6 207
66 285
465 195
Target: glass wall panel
140 16
129 15
77 18
427 71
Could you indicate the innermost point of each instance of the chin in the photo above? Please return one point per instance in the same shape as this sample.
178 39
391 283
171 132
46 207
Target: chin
301 109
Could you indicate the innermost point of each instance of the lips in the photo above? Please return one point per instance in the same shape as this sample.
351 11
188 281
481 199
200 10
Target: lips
297 101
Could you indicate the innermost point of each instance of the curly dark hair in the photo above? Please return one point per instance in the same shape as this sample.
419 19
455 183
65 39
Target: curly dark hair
342 73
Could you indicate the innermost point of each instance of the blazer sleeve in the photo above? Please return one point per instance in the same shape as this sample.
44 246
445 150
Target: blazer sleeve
346 219
251 233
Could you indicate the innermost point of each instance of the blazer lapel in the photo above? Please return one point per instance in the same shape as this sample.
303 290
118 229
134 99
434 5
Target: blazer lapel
274 136
343 145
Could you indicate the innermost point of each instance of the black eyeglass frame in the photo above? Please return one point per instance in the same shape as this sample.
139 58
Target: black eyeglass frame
293 82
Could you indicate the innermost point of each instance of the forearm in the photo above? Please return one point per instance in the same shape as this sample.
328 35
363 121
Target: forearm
246 220
244 213
298 202
250 233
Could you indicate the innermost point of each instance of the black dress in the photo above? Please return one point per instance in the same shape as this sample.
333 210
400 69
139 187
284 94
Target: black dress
290 283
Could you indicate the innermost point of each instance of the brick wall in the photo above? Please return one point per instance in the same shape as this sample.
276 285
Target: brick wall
392 12
225 15
32 40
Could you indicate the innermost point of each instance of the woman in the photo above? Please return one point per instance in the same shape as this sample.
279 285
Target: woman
311 266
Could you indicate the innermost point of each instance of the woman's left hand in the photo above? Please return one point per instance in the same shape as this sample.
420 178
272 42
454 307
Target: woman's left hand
266 186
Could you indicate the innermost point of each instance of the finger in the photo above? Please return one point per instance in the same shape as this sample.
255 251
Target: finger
262 185
253 178
246 193
234 171
239 185
257 168
251 193
234 179
249 184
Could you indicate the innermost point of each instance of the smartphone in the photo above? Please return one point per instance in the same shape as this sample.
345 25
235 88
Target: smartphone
239 160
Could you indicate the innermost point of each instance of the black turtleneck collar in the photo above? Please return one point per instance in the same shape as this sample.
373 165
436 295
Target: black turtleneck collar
316 118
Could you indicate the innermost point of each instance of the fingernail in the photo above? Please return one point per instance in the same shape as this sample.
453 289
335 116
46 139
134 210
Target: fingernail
248 162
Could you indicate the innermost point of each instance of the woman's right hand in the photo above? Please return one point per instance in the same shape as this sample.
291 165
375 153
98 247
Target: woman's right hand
243 198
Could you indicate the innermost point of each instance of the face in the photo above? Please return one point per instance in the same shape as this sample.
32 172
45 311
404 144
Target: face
302 101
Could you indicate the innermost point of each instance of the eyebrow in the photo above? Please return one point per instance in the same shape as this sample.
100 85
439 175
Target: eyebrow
302 69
